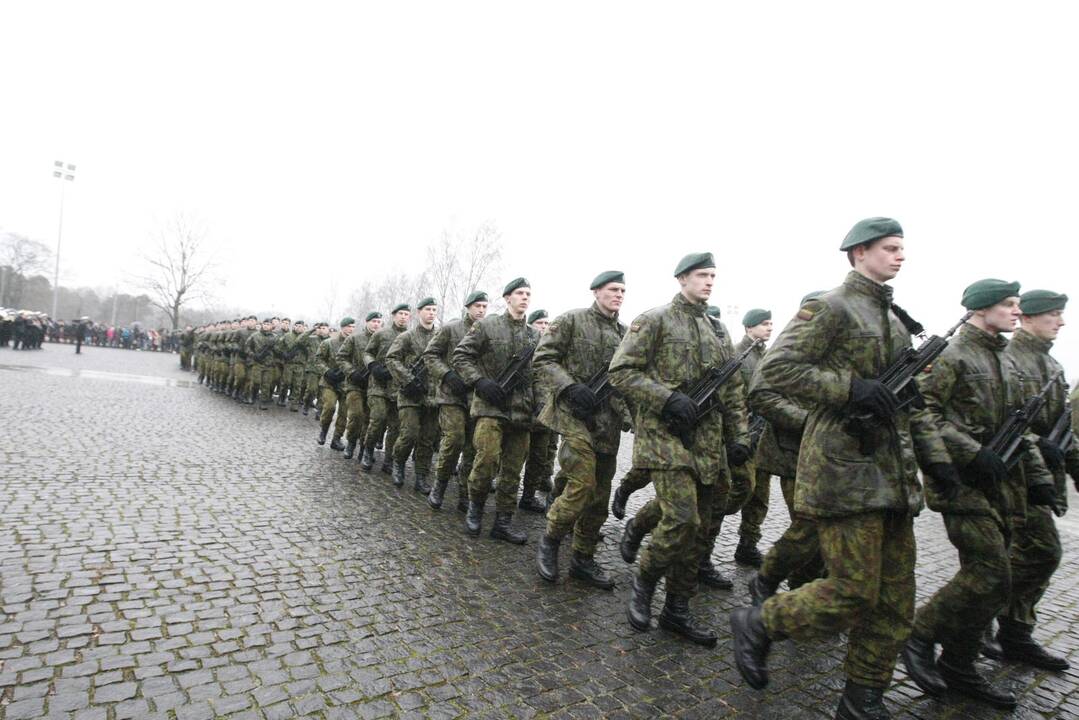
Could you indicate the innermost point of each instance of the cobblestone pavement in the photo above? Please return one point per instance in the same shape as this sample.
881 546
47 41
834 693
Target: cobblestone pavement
166 553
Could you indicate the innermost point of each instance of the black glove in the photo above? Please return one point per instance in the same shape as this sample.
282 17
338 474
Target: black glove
581 400
680 412
334 375
454 384
737 454
380 372
943 478
871 396
413 390
1042 495
357 377
1054 459
491 391
988 466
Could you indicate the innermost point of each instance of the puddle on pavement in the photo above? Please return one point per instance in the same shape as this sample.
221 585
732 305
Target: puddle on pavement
102 375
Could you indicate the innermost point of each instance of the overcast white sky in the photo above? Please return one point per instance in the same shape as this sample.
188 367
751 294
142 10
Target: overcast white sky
338 139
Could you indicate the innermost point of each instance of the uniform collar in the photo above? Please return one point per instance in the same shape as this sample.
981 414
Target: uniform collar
860 283
981 337
697 309
1024 339
599 313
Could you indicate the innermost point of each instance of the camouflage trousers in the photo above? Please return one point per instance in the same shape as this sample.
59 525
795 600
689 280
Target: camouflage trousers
647 518
419 433
755 508
540 464
331 401
795 557
310 389
456 426
292 383
636 479
501 449
678 517
262 382
581 508
1035 556
238 379
741 481
358 415
869 593
221 370
185 359
200 365
383 420
957 614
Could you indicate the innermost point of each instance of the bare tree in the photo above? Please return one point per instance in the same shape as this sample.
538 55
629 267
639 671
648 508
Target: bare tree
179 266
459 264
20 258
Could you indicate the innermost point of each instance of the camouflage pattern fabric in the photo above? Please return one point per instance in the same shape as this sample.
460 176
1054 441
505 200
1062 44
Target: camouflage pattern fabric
582 506
501 448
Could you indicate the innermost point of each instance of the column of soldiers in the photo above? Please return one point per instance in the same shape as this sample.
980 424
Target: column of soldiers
863 430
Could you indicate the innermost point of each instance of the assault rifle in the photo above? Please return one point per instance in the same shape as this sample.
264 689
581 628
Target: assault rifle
899 378
514 371
1061 435
703 392
261 355
417 386
600 385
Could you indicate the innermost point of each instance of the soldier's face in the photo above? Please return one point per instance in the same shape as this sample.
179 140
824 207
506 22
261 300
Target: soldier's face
299 327
541 325
517 301
610 297
882 260
374 325
761 331
347 330
477 310
697 284
427 314
1002 317
400 318
1045 326
323 331
267 327
285 325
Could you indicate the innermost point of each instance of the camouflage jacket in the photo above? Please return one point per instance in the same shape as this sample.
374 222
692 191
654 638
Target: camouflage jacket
376 351
578 345
313 342
350 357
969 391
261 344
484 351
849 332
404 351
289 347
749 366
326 358
439 355
670 348
782 437
187 340
240 339
1031 356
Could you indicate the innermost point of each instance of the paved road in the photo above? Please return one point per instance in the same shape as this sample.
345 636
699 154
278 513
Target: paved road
166 553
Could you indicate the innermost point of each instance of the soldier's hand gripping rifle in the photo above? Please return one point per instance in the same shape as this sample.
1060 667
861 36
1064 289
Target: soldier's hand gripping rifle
703 393
261 355
417 386
1061 435
899 378
514 371
602 390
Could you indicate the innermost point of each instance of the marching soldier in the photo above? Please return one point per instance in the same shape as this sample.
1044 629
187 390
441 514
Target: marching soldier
578 347
503 416
758 326
350 360
260 348
863 492
293 350
382 389
416 407
187 347
331 376
311 373
280 348
453 398
542 443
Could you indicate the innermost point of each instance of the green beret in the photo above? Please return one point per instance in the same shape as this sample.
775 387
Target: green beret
755 317
514 284
269 320
1036 302
988 292
373 315
475 296
536 315
811 296
299 322
425 302
399 307
694 261
870 229
347 320
611 276
714 311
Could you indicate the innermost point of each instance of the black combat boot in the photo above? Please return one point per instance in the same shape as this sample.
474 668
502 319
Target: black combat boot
398 473
336 444
547 557
861 703
1018 646
387 465
675 618
584 567
462 496
350 449
707 574
368 460
306 407
529 503
281 400
474 518
920 661
760 589
322 436
965 679
630 542
639 610
618 502
437 494
503 531
751 645
990 645
747 553
419 483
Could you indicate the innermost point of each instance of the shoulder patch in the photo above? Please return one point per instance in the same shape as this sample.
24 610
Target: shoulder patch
805 314
552 327
635 327
810 310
